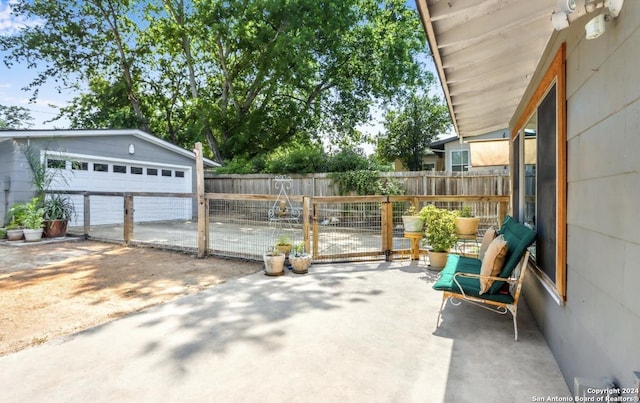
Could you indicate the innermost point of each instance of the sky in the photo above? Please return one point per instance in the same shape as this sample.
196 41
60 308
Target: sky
13 80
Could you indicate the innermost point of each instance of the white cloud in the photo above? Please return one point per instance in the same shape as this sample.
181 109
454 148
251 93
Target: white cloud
9 23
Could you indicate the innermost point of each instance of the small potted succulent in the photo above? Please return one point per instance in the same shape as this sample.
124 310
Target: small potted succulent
283 244
411 221
466 223
274 262
300 261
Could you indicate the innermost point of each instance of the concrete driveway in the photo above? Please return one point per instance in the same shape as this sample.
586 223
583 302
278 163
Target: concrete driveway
362 332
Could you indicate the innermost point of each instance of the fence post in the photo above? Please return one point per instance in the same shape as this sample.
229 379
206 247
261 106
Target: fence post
502 212
202 212
387 229
306 203
87 215
128 218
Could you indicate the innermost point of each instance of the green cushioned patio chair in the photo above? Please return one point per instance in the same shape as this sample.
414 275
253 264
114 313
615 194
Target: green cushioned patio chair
460 279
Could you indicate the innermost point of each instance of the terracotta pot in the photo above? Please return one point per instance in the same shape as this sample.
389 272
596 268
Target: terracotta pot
437 260
467 225
55 228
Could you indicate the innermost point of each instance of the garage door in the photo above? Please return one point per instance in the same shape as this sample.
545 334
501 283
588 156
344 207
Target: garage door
102 175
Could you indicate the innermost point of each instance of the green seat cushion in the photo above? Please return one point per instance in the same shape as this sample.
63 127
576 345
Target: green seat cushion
463 264
519 238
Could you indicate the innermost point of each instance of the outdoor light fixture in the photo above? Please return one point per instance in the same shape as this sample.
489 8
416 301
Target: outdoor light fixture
595 27
132 149
567 6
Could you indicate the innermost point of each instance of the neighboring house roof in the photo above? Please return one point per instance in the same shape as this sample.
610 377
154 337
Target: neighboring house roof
439 144
14 134
486 53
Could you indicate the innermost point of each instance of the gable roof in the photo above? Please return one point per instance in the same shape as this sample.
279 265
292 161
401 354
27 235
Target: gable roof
18 134
486 52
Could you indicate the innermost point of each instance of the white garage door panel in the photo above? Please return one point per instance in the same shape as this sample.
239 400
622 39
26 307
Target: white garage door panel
110 209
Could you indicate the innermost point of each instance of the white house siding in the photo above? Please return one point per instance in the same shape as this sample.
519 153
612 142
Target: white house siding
595 334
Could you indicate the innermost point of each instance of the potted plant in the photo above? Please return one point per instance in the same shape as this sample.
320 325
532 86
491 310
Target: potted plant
33 220
411 221
300 261
16 217
466 223
283 244
274 262
440 233
58 210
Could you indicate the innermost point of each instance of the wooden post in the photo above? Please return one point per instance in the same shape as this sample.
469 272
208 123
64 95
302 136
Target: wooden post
128 218
502 212
306 205
87 215
387 229
202 213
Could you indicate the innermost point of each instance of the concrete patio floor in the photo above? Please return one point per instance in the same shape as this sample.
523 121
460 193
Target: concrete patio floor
361 332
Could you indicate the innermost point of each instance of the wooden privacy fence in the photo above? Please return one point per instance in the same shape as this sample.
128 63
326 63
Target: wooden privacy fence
320 184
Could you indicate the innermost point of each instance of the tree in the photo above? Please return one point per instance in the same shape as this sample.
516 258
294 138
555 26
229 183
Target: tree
410 130
15 117
244 77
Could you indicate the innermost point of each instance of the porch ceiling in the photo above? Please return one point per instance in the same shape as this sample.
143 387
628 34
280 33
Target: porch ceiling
486 52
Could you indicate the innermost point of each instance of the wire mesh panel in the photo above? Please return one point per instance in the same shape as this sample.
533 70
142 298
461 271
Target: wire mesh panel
106 217
245 228
168 222
347 229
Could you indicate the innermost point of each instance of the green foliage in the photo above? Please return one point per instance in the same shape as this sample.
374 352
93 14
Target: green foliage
33 214
59 207
298 249
349 159
240 165
41 177
243 77
301 160
366 182
440 227
16 215
283 240
410 130
15 117
465 212
29 215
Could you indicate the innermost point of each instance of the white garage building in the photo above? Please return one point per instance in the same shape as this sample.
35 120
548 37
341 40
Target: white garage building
125 160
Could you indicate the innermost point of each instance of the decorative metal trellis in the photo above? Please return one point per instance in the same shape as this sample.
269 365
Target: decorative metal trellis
282 212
